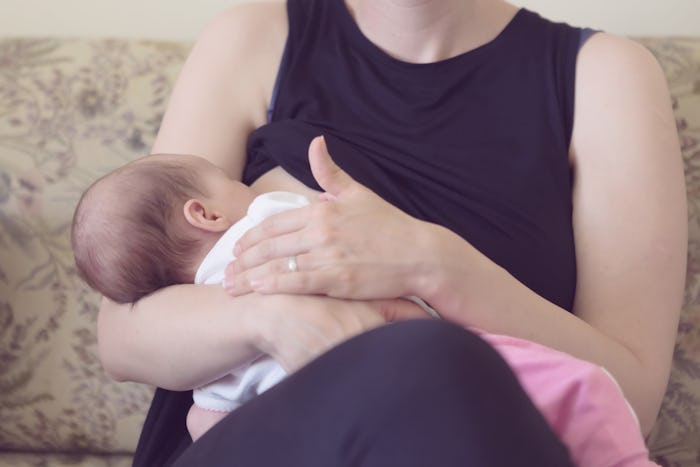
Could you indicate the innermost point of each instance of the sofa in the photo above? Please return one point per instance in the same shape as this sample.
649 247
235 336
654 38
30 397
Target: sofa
73 109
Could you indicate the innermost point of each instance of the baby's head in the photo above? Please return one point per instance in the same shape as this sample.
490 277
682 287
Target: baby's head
150 223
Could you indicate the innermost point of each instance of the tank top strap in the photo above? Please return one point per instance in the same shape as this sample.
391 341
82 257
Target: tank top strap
585 34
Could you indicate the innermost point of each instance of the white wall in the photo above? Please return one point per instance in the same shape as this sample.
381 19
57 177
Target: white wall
183 19
629 17
158 19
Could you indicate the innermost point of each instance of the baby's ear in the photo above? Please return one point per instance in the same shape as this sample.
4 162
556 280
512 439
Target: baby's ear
203 216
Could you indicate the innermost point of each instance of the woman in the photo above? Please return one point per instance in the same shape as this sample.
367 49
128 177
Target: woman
573 233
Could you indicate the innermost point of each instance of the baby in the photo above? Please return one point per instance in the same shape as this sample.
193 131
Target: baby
164 220
167 219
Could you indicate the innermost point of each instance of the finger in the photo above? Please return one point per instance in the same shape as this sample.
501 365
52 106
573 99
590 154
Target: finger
236 285
314 277
329 176
273 226
239 282
325 196
268 250
297 283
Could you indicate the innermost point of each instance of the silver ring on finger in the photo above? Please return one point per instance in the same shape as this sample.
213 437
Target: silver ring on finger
292 265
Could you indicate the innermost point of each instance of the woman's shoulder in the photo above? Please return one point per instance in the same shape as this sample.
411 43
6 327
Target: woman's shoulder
227 81
621 80
248 27
251 14
251 37
604 54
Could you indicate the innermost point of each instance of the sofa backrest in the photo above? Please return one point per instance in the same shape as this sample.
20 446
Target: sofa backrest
71 110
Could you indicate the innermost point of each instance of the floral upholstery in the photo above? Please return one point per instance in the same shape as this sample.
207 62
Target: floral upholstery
675 440
71 110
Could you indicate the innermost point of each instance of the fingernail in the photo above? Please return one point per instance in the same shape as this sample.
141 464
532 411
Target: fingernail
228 284
256 284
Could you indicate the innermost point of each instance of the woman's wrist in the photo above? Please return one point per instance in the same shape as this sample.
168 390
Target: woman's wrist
451 275
429 275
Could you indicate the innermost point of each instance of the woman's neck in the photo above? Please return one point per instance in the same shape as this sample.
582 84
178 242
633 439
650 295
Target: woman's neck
424 31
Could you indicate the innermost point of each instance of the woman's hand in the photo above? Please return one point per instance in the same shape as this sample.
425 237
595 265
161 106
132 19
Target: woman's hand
353 244
295 329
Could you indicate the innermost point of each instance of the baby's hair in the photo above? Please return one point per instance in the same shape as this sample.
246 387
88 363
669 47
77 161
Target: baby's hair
129 235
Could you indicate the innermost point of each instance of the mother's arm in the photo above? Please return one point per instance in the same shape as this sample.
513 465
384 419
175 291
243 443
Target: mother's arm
630 228
225 86
177 338
629 223
185 334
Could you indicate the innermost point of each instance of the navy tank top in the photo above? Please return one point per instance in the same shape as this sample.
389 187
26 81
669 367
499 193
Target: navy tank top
478 143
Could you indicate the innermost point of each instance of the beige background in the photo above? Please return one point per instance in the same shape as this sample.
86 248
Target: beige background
183 19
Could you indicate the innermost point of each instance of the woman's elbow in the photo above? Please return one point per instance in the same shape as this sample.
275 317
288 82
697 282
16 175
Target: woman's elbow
113 373
648 400
109 348
647 419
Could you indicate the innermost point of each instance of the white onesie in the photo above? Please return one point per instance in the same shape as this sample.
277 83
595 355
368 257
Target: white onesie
247 381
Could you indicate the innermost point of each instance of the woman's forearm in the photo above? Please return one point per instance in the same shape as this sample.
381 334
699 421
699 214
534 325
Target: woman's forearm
178 338
187 335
